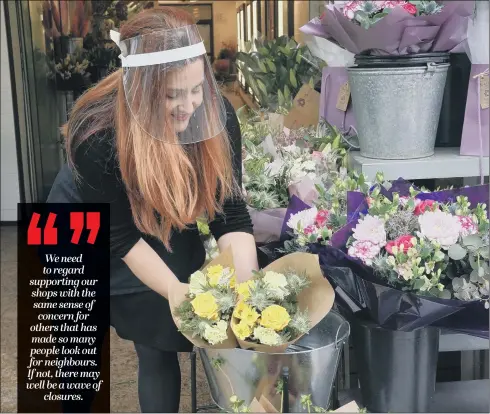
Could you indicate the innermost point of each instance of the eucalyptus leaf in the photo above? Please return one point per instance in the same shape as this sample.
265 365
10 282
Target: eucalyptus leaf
444 294
457 283
473 240
456 252
473 262
484 252
474 276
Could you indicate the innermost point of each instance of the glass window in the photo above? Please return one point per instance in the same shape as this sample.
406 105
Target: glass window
280 18
256 22
205 32
249 22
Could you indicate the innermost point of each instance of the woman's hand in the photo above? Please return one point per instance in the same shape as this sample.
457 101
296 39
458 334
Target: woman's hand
149 267
244 253
177 292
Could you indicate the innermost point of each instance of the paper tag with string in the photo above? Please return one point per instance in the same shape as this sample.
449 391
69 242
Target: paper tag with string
343 97
484 99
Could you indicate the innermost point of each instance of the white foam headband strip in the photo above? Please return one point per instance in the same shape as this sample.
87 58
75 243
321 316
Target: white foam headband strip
156 58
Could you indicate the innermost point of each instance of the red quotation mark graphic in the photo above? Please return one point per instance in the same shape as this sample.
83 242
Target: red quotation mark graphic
77 225
50 234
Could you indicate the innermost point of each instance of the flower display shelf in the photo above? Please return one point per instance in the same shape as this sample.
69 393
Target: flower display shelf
445 163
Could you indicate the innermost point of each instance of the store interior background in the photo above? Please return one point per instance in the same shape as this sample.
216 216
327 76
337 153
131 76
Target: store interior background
32 110
34 106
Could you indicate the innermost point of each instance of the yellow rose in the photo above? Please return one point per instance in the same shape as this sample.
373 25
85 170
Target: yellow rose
240 309
275 317
249 316
214 274
205 306
242 330
243 289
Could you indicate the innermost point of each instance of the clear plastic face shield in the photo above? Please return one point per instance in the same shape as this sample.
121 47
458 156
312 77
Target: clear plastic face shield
170 87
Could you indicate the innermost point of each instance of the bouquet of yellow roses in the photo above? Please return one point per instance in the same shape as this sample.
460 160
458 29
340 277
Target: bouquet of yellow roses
281 303
204 312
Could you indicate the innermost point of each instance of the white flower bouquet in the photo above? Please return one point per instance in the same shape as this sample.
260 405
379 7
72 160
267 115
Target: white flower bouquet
281 303
328 214
426 246
203 313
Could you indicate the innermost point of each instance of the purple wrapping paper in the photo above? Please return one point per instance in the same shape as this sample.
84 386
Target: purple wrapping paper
389 307
267 224
475 142
398 33
332 79
295 206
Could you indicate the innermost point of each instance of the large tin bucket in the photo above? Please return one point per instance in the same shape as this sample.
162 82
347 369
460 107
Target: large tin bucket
397 109
312 364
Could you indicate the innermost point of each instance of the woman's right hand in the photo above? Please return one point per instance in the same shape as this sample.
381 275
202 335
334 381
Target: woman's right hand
177 292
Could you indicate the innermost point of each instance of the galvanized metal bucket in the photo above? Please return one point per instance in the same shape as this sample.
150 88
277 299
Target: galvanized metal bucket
397 109
312 364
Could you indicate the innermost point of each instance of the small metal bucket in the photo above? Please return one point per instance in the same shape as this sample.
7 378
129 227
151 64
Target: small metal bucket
397 109
312 364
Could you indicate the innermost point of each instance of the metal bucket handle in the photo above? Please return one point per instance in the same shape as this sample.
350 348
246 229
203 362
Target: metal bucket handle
337 342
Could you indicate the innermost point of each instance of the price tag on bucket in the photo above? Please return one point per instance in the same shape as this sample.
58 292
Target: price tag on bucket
484 99
343 98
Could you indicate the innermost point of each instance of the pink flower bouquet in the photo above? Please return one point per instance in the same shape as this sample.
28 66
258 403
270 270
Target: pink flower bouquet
394 27
413 259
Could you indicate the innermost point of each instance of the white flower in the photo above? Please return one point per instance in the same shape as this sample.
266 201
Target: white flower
292 149
440 227
276 284
274 168
372 229
275 279
267 336
468 225
225 277
405 271
197 283
305 218
364 250
215 334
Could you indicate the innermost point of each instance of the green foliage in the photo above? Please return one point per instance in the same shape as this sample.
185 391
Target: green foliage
276 70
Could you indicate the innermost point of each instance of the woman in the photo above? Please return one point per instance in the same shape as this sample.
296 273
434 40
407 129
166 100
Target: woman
156 141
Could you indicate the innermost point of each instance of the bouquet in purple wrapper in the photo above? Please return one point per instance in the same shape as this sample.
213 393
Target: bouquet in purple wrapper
394 27
410 259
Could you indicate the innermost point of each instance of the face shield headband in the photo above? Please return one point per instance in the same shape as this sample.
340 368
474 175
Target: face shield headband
170 87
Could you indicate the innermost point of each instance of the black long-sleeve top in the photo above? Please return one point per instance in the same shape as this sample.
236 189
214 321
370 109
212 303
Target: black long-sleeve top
101 182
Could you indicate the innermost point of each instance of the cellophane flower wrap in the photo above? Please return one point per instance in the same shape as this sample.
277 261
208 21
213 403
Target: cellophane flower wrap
305 225
281 303
203 313
414 259
394 27
285 164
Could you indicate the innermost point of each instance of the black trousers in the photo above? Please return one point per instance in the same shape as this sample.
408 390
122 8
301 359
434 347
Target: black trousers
159 380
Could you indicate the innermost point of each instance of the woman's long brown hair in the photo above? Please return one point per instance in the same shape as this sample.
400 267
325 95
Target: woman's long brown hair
179 182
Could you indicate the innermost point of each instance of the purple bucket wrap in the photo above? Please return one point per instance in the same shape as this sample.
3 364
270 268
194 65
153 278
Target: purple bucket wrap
475 140
332 80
